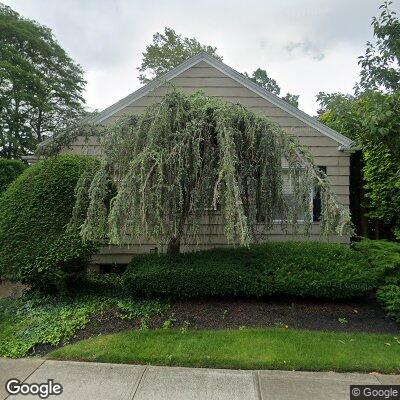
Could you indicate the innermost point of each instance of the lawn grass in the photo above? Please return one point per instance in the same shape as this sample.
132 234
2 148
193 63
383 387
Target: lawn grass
275 348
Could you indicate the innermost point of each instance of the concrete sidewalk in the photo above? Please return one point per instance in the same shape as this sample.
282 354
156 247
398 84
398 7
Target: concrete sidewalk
95 381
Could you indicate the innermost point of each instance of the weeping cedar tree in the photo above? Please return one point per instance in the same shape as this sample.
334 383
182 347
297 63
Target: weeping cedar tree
185 157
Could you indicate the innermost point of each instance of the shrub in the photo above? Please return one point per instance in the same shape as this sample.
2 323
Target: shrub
300 269
382 254
35 247
389 297
9 170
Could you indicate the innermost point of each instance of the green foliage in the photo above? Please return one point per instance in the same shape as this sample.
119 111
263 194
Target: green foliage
9 170
371 117
389 297
260 76
382 184
41 87
340 112
386 256
292 99
167 51
35 247
381 62
300 269
141 308
35 319
38 320
382 254
170 49
380 120
372 120
187 155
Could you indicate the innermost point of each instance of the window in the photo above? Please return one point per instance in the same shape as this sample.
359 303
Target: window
317 200
290 199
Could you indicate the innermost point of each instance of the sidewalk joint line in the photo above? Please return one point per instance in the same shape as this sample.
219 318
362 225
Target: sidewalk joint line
257 385
24 380
140 381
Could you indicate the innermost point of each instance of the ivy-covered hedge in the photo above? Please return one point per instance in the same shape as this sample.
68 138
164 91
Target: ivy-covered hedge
9 170
35 247
331 271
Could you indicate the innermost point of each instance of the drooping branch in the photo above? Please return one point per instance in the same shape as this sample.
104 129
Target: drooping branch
188 155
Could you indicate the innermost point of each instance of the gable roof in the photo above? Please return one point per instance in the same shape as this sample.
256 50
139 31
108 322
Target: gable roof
343 141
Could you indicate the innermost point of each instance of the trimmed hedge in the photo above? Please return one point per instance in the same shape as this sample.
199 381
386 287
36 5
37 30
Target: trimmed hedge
330 271
9 170
34 211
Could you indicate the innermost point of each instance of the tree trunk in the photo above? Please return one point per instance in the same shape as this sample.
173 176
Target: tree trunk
377 229
174 246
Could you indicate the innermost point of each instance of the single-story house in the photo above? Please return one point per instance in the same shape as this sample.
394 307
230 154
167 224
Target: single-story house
330 149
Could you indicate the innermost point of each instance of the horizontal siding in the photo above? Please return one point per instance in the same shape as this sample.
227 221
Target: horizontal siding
343 199
202 72
197 82
318 141
304 131
332 161
339 180
327 151
338 171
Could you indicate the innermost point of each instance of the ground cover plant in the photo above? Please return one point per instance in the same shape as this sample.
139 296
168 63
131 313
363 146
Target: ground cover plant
276 348
320 270
35 319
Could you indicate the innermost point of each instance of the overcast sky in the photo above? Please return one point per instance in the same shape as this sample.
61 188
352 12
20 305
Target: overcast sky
306 45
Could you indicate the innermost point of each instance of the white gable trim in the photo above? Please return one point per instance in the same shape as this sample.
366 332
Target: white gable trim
344 142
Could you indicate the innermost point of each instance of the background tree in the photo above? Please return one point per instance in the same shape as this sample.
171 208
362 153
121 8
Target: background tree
260 76
292 99
372 121
371 118
41 87
381 62
167 51
9 171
